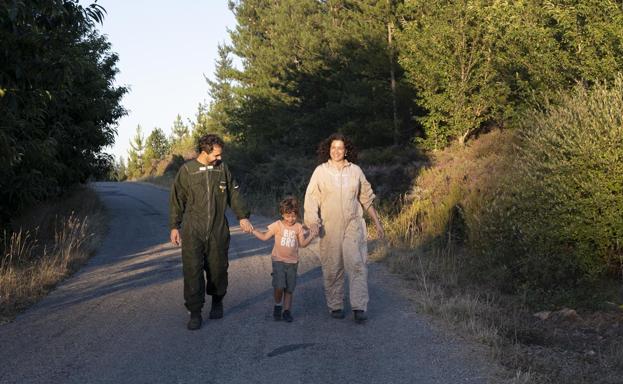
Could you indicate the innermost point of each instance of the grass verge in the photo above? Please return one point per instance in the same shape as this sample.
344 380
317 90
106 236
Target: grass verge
48 243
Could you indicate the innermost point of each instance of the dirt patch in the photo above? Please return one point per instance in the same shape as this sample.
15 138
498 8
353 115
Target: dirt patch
580 348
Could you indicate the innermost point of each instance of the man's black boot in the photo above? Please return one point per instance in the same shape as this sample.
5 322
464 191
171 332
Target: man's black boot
216 311
195 321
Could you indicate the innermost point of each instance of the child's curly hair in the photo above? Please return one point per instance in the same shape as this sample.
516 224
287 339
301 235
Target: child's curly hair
324 148
289 205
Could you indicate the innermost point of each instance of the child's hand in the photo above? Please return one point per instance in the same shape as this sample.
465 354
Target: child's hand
246 225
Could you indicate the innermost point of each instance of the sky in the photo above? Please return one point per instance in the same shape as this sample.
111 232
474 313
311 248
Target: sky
165 48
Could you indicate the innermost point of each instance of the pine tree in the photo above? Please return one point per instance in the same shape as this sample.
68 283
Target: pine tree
179 130
201 125
218 116
121 170
156 147
136 165
336 73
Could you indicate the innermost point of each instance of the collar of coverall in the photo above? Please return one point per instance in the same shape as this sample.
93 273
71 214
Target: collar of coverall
209 166
330 164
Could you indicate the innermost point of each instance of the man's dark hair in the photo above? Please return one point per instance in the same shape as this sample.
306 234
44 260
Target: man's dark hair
289 205
324 149
207 142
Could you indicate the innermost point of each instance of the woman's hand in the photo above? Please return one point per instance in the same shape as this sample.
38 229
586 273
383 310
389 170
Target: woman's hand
377 222
314 229
379 230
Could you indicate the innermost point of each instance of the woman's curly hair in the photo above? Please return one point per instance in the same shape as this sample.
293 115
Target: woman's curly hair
324 148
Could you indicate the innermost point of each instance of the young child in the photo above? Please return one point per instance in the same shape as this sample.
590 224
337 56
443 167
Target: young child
289 237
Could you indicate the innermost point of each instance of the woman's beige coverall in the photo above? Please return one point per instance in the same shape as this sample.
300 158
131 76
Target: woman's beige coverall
335 199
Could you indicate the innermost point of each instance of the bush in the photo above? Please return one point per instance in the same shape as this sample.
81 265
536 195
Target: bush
557 223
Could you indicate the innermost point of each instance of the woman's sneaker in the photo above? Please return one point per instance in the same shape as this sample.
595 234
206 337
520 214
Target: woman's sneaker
277 313
287 316
337 314
359 316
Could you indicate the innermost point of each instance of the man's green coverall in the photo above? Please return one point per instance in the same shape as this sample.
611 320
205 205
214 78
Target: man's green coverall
199 197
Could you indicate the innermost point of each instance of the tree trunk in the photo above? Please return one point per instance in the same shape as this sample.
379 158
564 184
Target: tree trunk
390 30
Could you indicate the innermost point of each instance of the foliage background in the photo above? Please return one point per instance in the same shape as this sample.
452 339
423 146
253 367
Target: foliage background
57 101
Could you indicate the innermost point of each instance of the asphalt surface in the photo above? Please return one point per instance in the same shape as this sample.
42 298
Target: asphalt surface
121 319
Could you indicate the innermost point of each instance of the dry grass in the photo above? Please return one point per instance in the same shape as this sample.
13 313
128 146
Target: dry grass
478 314
426 244
455 186
49 243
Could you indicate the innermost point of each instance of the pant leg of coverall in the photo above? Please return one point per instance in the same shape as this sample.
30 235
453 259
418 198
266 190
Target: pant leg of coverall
332 266
216 263
193 250
355 256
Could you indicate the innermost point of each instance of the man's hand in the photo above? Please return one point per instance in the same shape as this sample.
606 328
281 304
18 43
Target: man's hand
246 225
175 237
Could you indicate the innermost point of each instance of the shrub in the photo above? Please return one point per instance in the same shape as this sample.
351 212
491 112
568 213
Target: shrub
557 222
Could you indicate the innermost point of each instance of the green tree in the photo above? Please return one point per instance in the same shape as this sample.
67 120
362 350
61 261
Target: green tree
156 147
216 117
477 63
121 170
448 51
201 125
136 163
590 34
179 130
333 74
57 102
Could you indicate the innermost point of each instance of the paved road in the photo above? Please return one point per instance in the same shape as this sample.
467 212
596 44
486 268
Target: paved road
121 320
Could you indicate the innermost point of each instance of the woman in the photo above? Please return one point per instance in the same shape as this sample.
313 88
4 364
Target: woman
336 197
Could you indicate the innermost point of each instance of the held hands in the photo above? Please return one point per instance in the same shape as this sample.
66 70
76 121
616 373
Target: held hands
314 229
246 226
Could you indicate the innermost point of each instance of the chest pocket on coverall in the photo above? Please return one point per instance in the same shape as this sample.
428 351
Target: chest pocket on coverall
197 188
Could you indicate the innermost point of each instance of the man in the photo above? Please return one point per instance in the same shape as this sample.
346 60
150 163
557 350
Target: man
202 190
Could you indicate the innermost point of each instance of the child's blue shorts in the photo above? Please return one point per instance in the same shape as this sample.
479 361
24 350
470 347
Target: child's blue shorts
284 275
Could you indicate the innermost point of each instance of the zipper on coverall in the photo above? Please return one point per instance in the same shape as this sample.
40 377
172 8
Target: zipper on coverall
208 204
